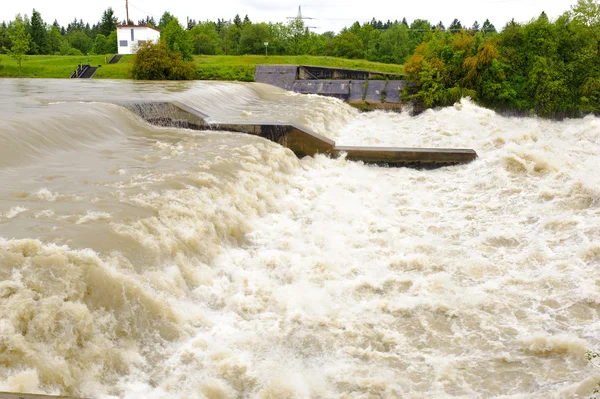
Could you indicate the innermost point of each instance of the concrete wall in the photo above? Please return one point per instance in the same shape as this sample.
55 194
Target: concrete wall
331 88
282 76
348 85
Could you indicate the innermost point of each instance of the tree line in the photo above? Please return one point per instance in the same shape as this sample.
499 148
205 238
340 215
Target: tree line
389 42
543 67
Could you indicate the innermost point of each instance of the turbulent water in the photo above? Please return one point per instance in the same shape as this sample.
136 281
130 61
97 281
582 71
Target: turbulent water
138 261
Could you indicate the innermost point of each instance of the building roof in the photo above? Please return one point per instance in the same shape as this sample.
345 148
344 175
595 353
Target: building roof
138 26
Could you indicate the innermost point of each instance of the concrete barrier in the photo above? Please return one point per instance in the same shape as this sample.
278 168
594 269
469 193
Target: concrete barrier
393 90
375 90
345 84
331 88
303 142
357 90
282 76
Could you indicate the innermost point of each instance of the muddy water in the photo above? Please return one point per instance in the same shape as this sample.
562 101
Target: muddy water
138 261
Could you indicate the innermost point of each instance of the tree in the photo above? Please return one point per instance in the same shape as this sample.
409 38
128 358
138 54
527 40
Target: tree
55 39
348 45
455 26
108 23
205 38
394 44
253 37
488 27
475 28
237 21
164 20
587 12
80 41
177 39
39 42
418 29
148 21
20 41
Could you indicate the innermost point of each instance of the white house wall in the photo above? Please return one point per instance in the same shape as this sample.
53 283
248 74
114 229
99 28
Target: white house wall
128 45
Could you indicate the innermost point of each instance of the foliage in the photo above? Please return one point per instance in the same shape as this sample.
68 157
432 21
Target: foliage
541 67
205 38
177 39
252 38
156 61
19 41
348 45
39 41
108 23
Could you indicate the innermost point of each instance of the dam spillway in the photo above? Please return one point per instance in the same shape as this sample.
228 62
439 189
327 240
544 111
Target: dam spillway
139 261
302 141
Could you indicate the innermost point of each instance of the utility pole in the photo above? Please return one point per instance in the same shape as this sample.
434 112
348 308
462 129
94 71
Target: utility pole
127 12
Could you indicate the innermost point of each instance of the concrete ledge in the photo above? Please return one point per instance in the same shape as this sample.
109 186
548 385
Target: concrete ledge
400 156
303 142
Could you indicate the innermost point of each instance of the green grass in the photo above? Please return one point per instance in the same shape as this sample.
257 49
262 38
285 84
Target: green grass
209 67
59 66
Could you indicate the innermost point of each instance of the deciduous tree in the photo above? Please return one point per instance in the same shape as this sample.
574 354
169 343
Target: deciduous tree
20 40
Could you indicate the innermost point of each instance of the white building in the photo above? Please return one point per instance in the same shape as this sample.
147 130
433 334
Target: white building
129 37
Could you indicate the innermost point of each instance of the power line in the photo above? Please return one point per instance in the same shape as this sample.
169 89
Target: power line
146 12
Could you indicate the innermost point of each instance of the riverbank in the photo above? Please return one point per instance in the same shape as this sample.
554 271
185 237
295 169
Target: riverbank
208 67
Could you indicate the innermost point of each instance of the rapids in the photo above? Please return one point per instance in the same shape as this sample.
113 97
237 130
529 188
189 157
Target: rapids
138 261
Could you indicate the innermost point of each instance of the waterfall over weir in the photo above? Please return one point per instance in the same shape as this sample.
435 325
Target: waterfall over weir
301 141
144 261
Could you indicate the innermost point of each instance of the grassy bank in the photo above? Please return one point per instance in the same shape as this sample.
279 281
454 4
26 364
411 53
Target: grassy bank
218 67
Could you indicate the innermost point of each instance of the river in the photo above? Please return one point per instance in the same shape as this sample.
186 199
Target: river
139 261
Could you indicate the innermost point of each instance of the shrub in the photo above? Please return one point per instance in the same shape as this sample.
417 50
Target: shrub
156 62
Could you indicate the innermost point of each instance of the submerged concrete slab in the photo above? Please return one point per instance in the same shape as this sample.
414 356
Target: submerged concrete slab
374 90
395 156
282 76
332 88
393 90
357 90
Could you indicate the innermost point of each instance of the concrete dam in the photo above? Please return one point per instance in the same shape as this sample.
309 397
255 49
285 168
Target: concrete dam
381 90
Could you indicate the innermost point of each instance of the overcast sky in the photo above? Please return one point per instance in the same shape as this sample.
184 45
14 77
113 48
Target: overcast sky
329 15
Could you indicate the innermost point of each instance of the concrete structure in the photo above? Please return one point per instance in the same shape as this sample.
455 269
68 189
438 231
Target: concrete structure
393 90
375 91
300 140
365 88
331 88
129 37
282 76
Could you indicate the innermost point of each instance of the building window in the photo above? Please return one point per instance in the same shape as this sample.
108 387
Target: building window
142 42
132 39
123 43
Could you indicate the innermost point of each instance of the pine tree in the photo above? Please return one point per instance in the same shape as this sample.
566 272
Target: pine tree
108 23
455 26
237 21
39 41
489 28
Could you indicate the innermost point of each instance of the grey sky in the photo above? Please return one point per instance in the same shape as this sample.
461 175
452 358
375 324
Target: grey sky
329 15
